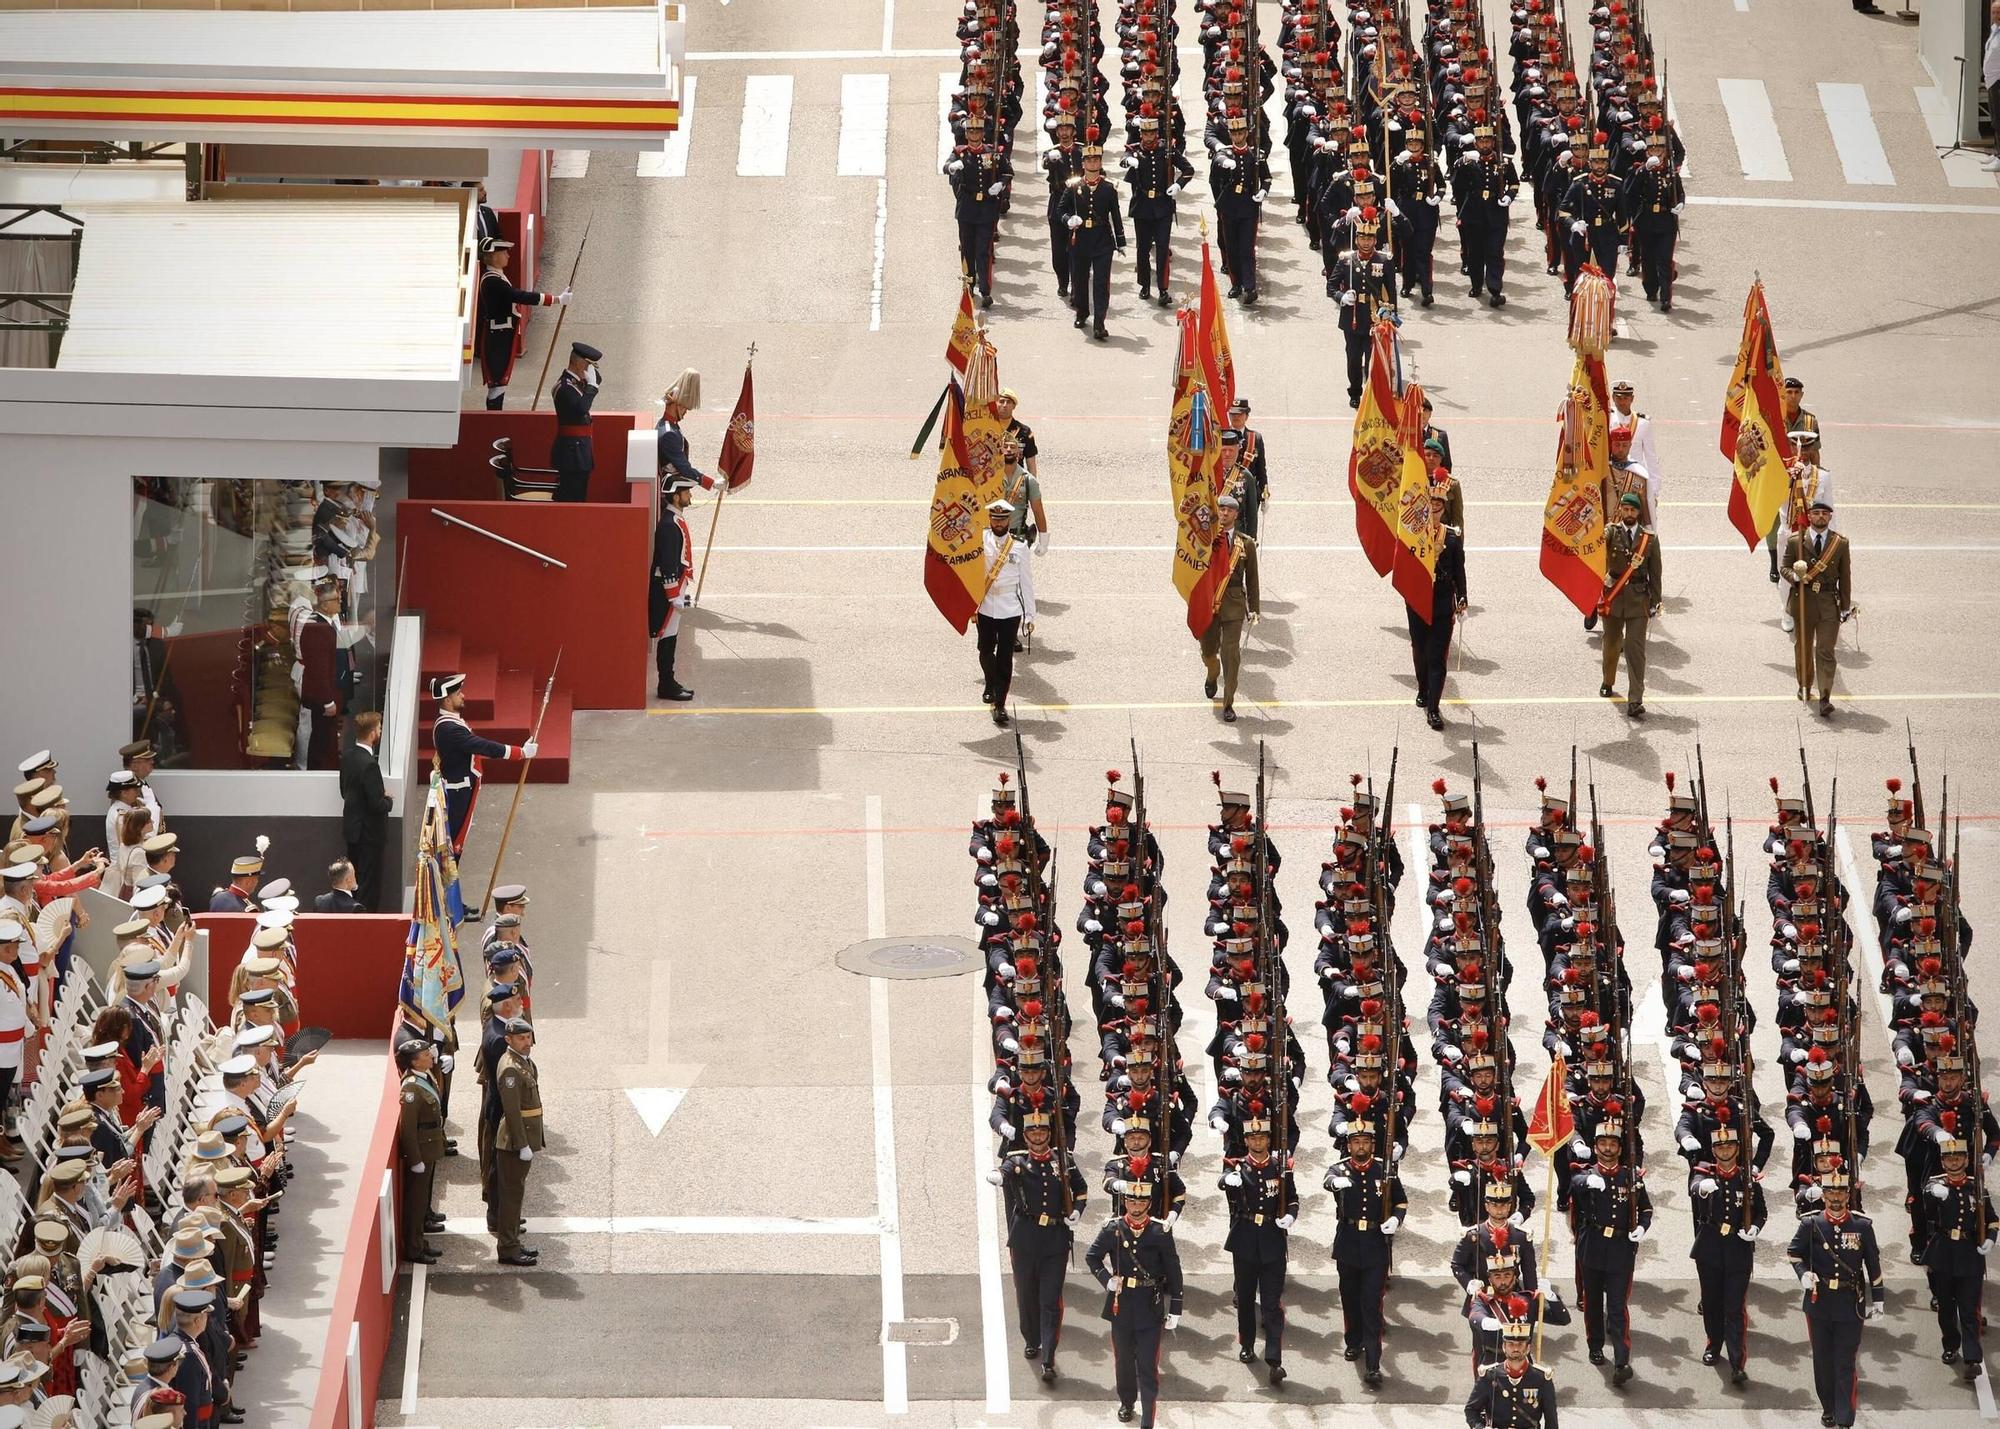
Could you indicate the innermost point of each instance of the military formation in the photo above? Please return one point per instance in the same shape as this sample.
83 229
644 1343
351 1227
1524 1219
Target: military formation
1584 1127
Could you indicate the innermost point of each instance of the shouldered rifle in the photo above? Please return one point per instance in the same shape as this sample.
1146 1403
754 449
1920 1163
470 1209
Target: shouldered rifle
1805 772
1490 955
1916 780
1052 991
1974 1134
1270 971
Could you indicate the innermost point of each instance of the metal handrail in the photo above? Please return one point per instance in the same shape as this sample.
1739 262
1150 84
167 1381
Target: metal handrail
494 536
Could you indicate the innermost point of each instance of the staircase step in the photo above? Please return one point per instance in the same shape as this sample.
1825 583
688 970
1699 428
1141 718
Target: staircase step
440 654
514 699
552 759
481 669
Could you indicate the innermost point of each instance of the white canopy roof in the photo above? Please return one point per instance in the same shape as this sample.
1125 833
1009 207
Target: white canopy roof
69 186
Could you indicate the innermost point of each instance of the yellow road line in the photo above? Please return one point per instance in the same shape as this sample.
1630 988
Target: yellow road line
1394 702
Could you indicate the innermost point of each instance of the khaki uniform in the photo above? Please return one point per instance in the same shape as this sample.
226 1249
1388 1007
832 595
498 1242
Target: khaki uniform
1626 616
520 1125
1829 591
1222 642
420 1140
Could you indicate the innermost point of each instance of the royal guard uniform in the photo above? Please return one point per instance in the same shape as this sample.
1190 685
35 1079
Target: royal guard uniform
459 751
1840 1270
1962 1229
979 181
1064 163
1414 188
1371 1205
666 597
1594 209
1729 1215
499 317
1611 1212
1156 174
1654 196
571 453
1517 1393
1263 1204
1242 180
1096 231
1482 186
1364 284
1044 1196
1134 1258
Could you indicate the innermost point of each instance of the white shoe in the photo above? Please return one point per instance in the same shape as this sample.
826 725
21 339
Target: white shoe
1786 624
1992 165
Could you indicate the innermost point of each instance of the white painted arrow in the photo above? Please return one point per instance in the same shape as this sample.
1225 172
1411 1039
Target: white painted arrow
656 1104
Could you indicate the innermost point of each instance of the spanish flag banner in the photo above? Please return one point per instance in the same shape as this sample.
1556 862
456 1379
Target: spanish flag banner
1191 446
1574 521
1388 480
1218 368
964 333
1753 426
954 564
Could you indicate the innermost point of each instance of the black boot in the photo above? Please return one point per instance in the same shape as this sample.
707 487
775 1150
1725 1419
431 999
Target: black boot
668 687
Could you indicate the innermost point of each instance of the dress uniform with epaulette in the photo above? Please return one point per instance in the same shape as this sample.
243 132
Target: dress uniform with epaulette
1371 1205
1096 231
1961 1231
1482 186
1134 1258
1594 209
459 751
1155 173
1839 1266
499 318
1044 1195
1363 282
1729 1215
1415 186
1263 1204
1654 196
1515 1394
1612 1213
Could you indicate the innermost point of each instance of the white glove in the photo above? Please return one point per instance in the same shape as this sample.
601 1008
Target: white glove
1750 1232
1341 1183
1986 1247
1074 221
1118 1126
1074 1217
1461 1178
1557 900
1594 1181
1473 1287
984 854
527 1153
530 749
1219 1122
1392 1225
1563 1049
1347 300
1048 156
1579 228
1939 1191
1450 1053
1920 1097
1285 1223
563 297
173 628
1173 1322
1232 1178
1172 1216
1690 1143
1225 161
1680 895
1260 195
996 189
1003 1014
1353 212
1002 1086
1226 992
1042 544
1173 189
1798 1054
1706 1186
1507 202
1789 965
1809 1280
1905 1057
1789 933
1813 1192
1539 851
1940 1135
1007 1130
418 1169
1902 915
1490 1325
954 166
993 1177
1121 1185
1579 1150
1352 1084
1802 1132
1128 163
1684 973
1394 212
594 378
1327 974
1870 1311
1677 209
1518 1219
1636 1234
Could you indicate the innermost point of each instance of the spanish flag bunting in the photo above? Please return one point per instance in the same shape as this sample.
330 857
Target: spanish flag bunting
1388 480
1191 462
1218 369
1574 521
964 333
954 559
1753 426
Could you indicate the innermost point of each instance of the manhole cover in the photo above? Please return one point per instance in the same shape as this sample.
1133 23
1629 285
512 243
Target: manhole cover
920 1332
942 956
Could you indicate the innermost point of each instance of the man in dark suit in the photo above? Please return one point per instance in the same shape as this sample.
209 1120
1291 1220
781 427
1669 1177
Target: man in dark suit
364 809
341 897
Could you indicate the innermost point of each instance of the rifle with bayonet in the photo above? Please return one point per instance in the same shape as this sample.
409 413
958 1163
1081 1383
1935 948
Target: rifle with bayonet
1270 971
1916 781
1052 981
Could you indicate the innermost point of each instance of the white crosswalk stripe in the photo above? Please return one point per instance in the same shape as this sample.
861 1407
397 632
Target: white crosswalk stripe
1862 158
864 125
765 140
570 164
947 82
672 162
1759 150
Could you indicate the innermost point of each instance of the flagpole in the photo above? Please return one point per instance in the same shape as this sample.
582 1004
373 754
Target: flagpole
715 513
1548 1211
555 338
520 787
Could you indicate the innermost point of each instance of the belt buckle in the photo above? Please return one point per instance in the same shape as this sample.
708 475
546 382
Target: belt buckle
1043 1220
1729 1228
1607 1232
1258 1220
1957 1234
1361 1225
1833 1284
1152 193
1131 1282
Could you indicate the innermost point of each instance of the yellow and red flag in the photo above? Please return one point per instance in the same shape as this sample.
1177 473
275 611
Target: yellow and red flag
1390 484
1552 1124
1574 521
1753 426
964 334
1192 431
739 442
954 560
1218 369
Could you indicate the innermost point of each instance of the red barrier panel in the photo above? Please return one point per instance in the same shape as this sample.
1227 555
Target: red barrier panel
350 965
202 670
594 612
363 1307
464 473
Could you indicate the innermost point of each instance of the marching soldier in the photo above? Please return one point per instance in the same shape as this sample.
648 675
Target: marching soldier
1612 1213
1096 229
1371 1205
459 751
1729 1215
1137 1263
1156 172
420 1139
1241 601
1482 186
1516 1393
1594 209
1044 1195
1364 284
1430 630
1963 1231
1822 579
517 1138
1263 1204
499 319
1414 187
1654 197
1242 181
1632 596
1064 162
979 180
1839 1267
572 395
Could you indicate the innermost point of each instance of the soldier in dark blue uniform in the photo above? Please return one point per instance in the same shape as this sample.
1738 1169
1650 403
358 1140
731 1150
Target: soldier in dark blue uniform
1134 1258
1156 173
195 1379
1414 188
1840 1268
1044 1195
1263 1204
1064 162
572 395
458 753
1654 196
1096 231
1363 282
499 319
1594 209
1612 1213
1962 1230
1516 1393
1241 180
1482 186
1371 1204
1729 1215
979 180
668 592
